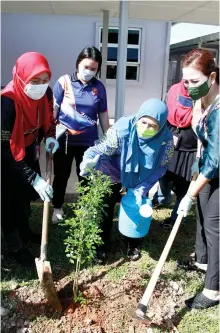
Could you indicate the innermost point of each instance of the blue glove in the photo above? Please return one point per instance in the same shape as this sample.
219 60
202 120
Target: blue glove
51 144
88 163
44 190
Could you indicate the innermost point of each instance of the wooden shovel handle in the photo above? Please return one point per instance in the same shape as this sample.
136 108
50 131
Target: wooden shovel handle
151 285
44 237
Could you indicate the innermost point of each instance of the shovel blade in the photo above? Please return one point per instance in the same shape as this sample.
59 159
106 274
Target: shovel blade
45 277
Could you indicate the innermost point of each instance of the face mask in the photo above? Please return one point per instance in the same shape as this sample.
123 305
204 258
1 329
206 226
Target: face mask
145 133
35 91
86 74
197 92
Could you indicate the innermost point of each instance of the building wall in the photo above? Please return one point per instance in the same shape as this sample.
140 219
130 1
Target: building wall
61 37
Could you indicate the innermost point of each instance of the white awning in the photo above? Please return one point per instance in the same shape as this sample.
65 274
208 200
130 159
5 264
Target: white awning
204 12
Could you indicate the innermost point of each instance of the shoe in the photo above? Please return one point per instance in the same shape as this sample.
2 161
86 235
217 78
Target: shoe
168 223
23 257
99 258
58 215
189 265
200 301
134 254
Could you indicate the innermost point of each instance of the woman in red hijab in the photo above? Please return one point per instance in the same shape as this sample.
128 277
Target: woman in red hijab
26 118
178 176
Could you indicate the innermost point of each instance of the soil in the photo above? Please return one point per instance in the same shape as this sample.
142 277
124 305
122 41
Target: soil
108 308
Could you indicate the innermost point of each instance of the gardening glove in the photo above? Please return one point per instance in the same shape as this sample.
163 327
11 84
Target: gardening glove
185 205
44 190
138 197
51 145
88 163
195 167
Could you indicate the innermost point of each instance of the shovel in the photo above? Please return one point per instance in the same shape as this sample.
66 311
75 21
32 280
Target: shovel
141 310
43 266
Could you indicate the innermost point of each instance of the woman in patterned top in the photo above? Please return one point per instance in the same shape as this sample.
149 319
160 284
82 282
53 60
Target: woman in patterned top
26 118
201 77
135 153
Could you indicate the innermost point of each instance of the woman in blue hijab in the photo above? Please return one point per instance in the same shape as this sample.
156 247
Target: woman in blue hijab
134 153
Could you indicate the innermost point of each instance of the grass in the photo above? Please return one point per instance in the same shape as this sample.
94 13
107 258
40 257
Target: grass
205 321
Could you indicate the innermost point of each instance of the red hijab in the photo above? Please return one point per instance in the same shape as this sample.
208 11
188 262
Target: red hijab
178 114
29 113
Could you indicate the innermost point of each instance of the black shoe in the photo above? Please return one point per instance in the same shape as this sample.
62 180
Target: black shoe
200 301
23 257
99 258
133 254
189 265
168 223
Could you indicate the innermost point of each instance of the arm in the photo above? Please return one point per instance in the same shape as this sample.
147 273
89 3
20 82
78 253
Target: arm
104 121
210 157
52 129
107 145
20 169
58 94
103 110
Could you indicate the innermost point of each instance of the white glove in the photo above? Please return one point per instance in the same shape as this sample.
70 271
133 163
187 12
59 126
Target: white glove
185 205
44 190
51 145
138 197
88 163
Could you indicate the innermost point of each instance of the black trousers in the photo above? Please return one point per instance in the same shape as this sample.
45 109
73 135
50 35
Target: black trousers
16 197
62 170
107 223
207 235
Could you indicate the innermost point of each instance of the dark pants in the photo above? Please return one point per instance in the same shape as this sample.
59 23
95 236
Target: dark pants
167 183
106 226
16 197
62 170
207 236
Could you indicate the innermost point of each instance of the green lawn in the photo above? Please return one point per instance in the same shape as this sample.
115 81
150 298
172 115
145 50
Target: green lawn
205 321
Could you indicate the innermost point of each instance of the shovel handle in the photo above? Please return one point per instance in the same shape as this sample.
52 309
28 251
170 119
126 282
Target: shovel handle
44 237
142 306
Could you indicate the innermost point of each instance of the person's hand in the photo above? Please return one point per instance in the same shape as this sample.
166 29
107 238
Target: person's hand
185 205
195 167
44 190
88 163
51 145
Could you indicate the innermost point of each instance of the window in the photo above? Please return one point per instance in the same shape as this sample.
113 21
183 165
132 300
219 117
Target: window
133 53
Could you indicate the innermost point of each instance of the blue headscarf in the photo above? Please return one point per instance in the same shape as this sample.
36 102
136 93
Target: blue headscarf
140 157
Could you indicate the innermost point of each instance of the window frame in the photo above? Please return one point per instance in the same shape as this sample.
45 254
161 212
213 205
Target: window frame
138 46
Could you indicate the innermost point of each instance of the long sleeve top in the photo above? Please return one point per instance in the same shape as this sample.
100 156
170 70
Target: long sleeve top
109 148
21 168
208 133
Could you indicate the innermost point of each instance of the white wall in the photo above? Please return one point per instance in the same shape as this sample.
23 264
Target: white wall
61 37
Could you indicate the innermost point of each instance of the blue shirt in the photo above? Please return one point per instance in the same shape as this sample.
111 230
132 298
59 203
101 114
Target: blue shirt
79 106
208 133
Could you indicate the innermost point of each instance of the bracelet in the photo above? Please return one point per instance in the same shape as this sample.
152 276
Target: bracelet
190 196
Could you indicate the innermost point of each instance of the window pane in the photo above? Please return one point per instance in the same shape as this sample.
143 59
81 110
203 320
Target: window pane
112 53
133 37
131 73
112 36
132 55
111 71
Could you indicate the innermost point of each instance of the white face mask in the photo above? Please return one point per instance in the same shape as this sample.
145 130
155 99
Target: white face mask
36 91
85 74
